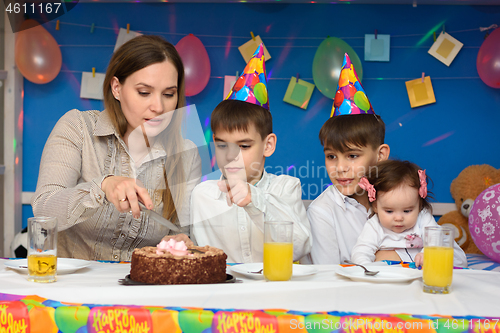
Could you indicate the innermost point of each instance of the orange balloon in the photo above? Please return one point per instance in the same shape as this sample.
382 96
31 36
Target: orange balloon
38 56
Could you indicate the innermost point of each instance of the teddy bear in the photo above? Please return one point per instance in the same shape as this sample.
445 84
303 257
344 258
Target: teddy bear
464 189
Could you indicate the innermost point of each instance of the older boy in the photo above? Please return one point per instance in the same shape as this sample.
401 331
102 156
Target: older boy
353 141
230 213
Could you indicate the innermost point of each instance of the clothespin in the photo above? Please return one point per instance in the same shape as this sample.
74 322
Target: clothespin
253 36
93 71
57 25
376 32
423 77
297 81
434 36
92 28
128 27
493 26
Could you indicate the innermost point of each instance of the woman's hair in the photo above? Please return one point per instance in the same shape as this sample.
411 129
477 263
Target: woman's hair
391 174
134 55
346 131
232 115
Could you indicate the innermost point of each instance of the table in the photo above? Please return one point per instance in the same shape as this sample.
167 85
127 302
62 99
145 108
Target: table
475 293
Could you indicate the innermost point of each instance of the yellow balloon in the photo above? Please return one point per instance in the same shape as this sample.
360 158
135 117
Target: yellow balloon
352 77
254 65
344 78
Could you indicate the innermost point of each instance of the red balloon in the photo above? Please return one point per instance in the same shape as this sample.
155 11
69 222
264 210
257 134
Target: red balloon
239 83
254 79
196 64
488 59
339 98
349 91
37 53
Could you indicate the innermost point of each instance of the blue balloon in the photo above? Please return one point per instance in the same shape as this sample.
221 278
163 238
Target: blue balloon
262 78
358 86
242 94
345 107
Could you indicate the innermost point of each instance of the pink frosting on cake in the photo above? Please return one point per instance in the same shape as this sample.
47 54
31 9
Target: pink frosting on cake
172 246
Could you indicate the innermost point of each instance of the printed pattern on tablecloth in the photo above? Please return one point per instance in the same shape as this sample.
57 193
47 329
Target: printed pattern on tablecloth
36 314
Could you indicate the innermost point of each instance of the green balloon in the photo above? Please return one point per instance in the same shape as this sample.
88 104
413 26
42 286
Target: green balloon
328 62
195 321
260 92
361 101
70 318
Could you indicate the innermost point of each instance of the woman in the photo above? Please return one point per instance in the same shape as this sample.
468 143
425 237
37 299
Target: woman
97 166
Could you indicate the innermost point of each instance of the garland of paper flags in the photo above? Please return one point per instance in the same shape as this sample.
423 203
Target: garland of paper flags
327 63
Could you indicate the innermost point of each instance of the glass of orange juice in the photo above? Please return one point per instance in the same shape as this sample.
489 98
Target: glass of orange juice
438 259
278 250
42 249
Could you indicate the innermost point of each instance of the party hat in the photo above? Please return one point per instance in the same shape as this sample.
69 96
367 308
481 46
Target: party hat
251 86
350 97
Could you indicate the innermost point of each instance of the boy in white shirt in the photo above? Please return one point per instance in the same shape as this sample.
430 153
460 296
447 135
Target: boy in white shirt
353 141
230 213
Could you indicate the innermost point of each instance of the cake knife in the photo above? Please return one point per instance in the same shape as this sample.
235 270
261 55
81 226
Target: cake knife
158 218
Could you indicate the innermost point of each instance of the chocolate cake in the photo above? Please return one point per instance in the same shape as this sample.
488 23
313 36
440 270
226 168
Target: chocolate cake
167 268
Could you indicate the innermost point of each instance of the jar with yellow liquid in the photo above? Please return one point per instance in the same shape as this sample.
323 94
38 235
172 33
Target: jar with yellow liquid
42 249
278 251
438 259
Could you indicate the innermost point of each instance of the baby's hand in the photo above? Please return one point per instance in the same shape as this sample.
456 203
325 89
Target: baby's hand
237 191
419 259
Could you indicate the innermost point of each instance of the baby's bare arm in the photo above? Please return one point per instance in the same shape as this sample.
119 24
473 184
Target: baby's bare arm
387 255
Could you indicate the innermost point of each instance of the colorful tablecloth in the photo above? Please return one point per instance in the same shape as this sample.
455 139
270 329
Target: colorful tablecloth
36 314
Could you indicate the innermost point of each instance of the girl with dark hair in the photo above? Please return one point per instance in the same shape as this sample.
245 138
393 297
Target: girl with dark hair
398 194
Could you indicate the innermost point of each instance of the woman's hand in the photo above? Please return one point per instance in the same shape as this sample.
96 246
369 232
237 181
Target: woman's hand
124 193
387 255
178 238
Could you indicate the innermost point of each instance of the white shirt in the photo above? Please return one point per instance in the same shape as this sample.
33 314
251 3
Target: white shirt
239 231
336 222
375 237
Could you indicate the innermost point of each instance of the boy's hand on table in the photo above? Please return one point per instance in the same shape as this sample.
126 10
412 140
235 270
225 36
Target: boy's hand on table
237 192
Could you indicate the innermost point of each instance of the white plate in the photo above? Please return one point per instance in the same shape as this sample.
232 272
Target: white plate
386 273
246 269
64 265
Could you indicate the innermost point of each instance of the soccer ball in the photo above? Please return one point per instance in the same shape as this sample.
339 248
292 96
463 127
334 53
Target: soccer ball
19 246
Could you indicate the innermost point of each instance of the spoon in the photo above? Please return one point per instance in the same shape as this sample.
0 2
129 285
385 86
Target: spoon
367 272
258 272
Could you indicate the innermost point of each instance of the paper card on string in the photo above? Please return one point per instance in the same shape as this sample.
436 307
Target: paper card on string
445 48
229 82
299 93
420 93
247 50
92 86
377 49
124 37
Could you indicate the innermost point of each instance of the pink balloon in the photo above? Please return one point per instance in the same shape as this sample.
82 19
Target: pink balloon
38 56
484 222
488 59
196 64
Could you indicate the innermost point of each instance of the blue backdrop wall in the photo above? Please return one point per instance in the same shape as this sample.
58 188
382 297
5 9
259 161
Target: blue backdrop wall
460 129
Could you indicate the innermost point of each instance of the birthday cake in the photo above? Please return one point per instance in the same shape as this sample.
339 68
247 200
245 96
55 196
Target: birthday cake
175 263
